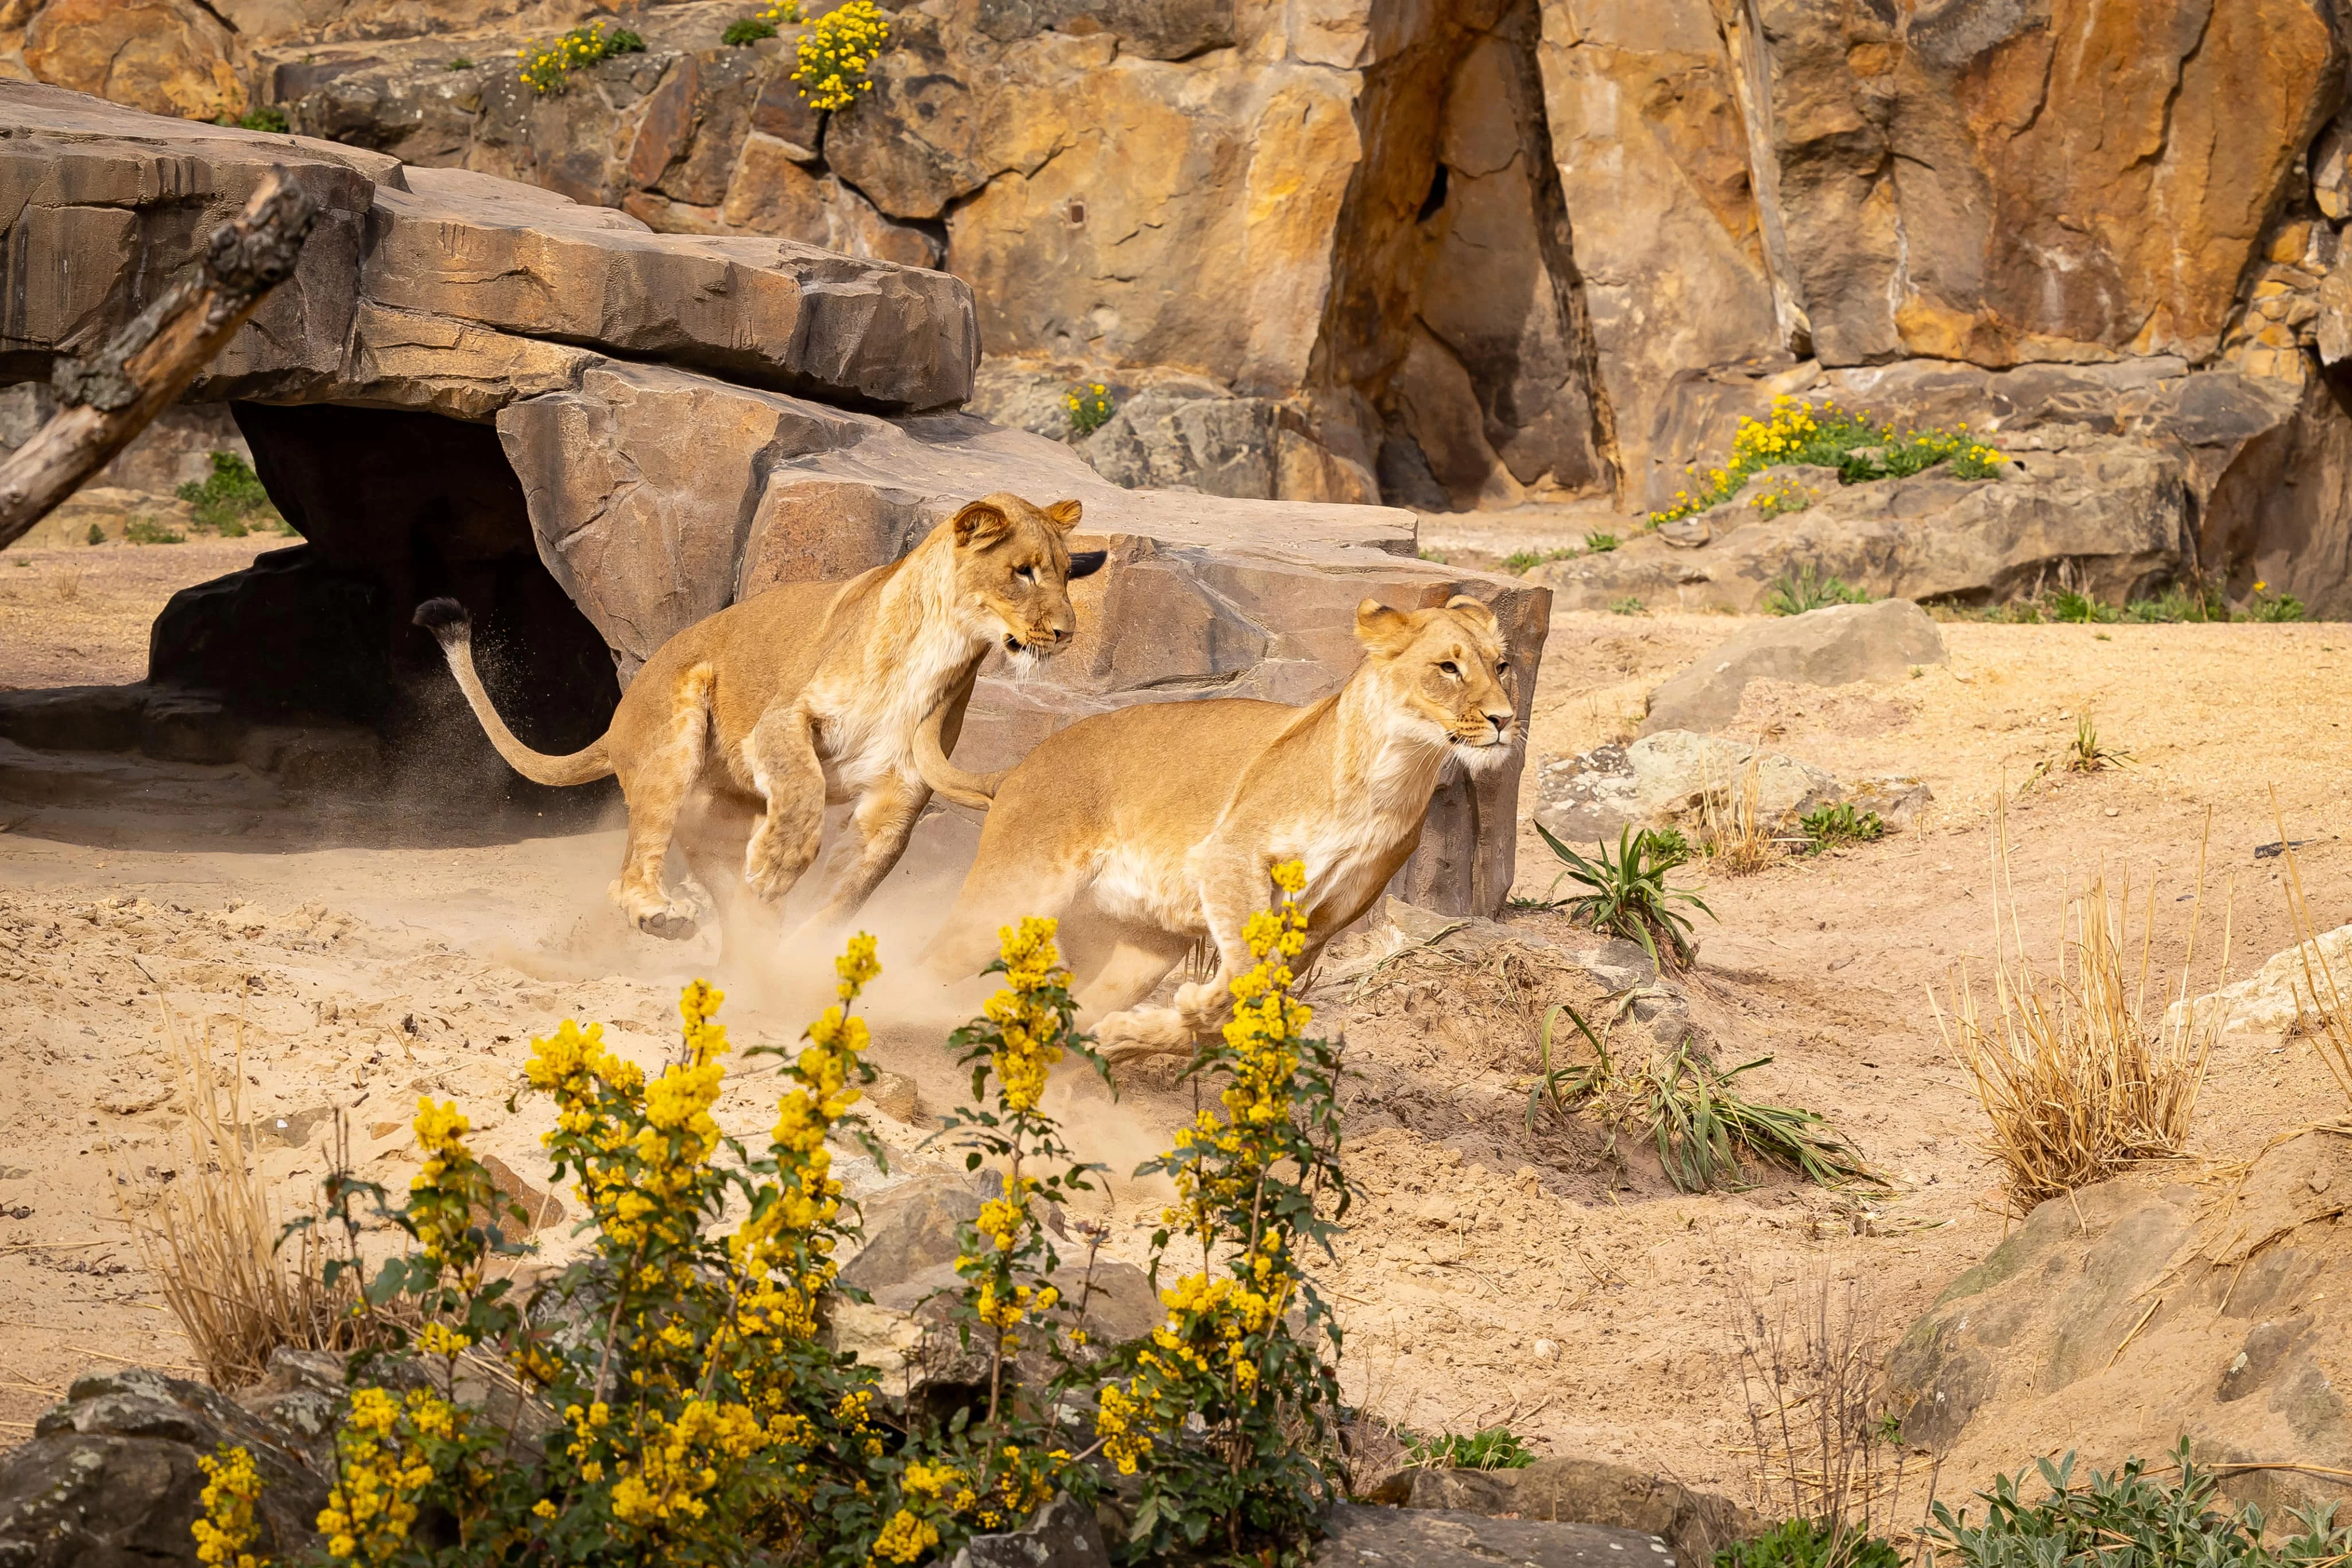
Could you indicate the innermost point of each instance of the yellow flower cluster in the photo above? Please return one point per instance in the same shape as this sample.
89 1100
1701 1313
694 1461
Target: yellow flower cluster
227 1529
1119 1422
1025 1014
381 1467
781 14
677 1464
1090 407
448 1193
835 55
546 67
905 1538
1823 434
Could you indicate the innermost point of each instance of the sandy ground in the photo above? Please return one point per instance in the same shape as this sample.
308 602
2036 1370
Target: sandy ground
1492 1277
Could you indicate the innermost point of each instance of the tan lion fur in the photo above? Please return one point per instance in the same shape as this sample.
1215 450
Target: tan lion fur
1149 828
742 728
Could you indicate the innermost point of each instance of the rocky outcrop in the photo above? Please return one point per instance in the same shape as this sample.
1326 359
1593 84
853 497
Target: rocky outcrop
1447 1538
1831 647
2109 517
477 387
2235 1311
1693 1526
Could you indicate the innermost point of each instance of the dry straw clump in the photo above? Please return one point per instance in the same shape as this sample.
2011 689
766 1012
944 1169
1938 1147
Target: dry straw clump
213 1241
2323 1007
1738 841
2080 1068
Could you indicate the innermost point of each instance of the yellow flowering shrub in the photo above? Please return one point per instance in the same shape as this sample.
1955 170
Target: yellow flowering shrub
835 56
685 1408
1237 1352
1822 434
227 1529
548 68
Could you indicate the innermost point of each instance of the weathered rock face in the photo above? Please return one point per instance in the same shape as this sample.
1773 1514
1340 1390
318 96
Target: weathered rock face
478 388
1446 1537
1455 256
1692 1526
1672 778
2132 1285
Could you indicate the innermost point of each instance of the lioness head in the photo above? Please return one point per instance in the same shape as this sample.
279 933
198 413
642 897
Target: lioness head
1447 675
1013 567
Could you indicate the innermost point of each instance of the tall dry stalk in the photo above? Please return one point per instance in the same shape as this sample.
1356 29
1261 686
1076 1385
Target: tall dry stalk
2078 1073
212 1243
1738 841
2320 1006
1826 1448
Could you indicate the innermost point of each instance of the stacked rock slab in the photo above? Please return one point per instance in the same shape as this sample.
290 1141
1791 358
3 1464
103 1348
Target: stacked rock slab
468 377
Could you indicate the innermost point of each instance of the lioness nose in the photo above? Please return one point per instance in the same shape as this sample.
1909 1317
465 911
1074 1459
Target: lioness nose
1501 721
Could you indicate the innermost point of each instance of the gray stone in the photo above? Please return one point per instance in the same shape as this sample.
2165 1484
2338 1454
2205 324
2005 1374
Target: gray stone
1062 1535
1664 779
1217 445
111 1477
1694 1525
1360 1537
1832 647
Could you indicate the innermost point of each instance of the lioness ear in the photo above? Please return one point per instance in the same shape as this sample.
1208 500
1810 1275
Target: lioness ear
979 523
1381 629
1475 609
1064 516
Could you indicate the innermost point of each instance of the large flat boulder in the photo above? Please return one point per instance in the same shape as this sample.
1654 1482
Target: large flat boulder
1835 646
1356 1536
471 281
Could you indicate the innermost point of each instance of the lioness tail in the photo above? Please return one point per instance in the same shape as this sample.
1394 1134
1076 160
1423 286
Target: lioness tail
974 790
454 630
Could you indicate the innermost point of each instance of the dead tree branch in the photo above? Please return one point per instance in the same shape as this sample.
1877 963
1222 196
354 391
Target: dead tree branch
110 398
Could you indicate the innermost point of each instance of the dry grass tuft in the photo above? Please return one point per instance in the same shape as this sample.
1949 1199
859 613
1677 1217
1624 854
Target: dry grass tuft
2322 1010
1737 843
65 584
2080 1072
213 1241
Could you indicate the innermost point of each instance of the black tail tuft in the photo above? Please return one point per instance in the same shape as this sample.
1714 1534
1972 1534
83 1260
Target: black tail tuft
445 618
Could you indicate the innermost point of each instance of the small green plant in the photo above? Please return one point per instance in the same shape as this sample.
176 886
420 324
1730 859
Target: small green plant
1627 894
1488 1448
1600 543
2263 607
1840 824
1694 1114
745 31
230 499
1090 406
2068 606
548 68
1437 556
461 64
96 535
2125 1521
1795 592
1629 605
268 116
148 531
2089 754
1521 561
2202 603
1782 497
1810 1544
835 54
1700 1122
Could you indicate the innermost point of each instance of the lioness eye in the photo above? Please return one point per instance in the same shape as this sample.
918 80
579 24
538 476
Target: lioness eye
1025 573
1451 668
1501 665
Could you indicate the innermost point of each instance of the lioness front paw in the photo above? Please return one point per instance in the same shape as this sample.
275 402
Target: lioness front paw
1142 1032
1201 1005
669 926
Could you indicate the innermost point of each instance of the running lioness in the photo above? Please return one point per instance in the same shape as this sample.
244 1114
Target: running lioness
810 694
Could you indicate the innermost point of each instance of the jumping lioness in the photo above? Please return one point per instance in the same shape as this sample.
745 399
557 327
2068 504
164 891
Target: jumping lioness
809 694
1152 825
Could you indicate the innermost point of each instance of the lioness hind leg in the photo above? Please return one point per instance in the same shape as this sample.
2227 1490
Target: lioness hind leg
656 783
712 834
878 830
